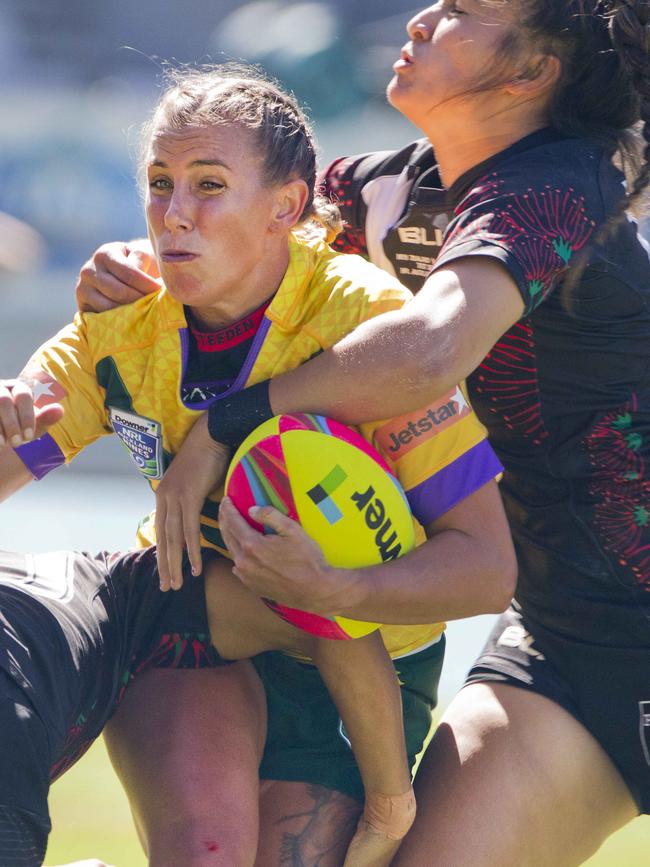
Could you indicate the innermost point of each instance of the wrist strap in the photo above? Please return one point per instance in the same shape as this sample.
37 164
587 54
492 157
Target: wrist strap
232 418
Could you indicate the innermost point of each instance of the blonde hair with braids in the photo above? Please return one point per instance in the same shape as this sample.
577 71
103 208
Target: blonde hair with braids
242 95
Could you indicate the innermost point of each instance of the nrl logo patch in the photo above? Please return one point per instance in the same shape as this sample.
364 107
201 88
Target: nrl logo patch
143 440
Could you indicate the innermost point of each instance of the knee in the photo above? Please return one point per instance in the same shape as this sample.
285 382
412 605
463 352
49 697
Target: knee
208 842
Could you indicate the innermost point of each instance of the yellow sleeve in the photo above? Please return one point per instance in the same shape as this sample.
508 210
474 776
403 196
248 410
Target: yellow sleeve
63 371
353 291
439 453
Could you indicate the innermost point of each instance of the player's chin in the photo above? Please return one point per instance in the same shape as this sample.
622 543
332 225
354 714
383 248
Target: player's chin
398 93
391 87
186 289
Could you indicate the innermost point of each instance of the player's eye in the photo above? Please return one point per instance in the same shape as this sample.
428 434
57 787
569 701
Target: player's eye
210 186
160 185
454 9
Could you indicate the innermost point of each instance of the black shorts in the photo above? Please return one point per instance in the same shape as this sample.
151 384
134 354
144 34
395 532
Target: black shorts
24 779
605 688
74 630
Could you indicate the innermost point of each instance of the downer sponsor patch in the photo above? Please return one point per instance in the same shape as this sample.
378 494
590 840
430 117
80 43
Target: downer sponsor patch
143 439
404 433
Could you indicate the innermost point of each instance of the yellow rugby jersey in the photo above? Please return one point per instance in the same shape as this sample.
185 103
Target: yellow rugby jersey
121 372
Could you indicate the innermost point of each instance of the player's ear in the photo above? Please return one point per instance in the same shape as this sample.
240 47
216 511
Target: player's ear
539 76
290 201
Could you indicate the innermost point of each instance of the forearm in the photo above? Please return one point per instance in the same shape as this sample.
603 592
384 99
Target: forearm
376 371
467 566
395 363
363 684
453 576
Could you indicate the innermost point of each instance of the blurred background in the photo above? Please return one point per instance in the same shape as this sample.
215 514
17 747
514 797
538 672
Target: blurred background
77 78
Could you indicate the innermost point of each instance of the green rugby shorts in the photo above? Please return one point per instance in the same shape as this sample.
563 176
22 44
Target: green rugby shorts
306 741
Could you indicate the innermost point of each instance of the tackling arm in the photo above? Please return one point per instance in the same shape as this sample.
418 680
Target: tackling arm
409 357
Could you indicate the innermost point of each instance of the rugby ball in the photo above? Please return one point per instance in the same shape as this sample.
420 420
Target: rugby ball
331 480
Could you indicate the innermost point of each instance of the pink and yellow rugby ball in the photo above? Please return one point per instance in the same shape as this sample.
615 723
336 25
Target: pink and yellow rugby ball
328 478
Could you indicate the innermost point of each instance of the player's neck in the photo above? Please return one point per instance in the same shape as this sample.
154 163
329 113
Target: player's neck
460 147
239 300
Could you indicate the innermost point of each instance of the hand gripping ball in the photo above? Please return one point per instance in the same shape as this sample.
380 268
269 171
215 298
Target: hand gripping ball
328 478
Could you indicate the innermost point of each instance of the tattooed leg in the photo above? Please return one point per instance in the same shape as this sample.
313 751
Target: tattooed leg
304 825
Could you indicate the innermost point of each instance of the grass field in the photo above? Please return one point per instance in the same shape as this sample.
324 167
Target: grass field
91 818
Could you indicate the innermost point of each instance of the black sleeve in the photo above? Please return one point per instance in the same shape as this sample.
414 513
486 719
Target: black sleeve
535 228
344 179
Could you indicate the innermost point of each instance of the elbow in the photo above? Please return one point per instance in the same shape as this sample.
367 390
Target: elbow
438 359
425 369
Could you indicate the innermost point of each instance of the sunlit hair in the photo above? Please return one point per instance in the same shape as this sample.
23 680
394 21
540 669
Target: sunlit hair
604 87
240 95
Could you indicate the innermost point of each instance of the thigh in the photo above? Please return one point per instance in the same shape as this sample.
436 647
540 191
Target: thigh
604 686
511 777
304 824
186 746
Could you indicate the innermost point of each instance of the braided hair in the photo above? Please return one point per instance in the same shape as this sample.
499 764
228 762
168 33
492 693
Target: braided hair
240 94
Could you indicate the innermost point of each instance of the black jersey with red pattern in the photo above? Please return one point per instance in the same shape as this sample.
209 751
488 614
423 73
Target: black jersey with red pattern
565 393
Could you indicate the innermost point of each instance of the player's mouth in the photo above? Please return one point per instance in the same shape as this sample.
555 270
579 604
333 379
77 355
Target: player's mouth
178 257
405 60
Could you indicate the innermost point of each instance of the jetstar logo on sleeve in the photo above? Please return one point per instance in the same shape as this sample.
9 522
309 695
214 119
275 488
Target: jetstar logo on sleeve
45 388
143 439
400 435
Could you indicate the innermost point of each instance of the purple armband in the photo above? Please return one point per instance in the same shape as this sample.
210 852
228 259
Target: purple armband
40 456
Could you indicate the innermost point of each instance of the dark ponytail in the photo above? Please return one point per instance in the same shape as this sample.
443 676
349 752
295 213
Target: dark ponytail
603 91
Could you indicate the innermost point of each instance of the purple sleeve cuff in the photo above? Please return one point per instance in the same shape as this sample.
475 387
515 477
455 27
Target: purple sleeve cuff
437 494
40 456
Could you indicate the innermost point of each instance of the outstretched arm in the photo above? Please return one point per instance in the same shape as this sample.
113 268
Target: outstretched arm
407 358
389 365
363 684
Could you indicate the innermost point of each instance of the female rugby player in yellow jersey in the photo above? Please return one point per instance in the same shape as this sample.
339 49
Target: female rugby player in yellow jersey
230 172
